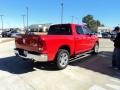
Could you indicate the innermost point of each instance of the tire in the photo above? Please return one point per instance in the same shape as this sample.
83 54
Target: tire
62 59
96 49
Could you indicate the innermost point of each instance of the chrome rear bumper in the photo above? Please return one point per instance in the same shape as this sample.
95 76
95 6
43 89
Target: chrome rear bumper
27 55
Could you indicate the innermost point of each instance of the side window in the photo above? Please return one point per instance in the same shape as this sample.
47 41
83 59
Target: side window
79 30
86 30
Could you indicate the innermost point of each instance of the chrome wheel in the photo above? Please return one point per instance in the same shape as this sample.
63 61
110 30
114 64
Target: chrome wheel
63 60
96 48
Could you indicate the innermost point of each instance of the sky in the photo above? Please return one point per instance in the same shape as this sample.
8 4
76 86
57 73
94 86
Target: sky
49 11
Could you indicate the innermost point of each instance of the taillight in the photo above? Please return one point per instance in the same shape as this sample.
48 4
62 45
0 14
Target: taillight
41 45
40 49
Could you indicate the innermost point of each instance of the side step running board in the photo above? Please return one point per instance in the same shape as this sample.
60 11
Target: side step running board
80 56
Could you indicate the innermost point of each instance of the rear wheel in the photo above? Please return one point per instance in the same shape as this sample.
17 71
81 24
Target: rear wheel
62 59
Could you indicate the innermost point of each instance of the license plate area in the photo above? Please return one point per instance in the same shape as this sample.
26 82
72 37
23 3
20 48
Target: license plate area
23 53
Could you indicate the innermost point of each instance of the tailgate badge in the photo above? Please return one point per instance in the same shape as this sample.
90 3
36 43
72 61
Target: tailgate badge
24 41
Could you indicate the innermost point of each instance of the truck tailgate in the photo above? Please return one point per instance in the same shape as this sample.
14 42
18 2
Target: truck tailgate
28 42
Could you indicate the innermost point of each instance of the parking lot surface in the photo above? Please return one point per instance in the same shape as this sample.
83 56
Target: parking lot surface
88 73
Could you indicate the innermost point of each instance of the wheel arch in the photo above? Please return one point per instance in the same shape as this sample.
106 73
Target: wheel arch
66 47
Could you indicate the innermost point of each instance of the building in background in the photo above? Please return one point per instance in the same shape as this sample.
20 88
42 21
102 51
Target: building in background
105 29
39 27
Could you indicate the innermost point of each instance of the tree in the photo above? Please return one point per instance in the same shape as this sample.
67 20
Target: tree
91 22
87 18
98 23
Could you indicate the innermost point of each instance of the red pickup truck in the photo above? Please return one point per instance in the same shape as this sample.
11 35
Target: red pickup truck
62 42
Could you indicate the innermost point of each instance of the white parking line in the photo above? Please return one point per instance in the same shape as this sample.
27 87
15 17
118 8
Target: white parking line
115 80
116 87
96 87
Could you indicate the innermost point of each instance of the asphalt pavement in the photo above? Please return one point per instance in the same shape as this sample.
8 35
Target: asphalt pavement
88 73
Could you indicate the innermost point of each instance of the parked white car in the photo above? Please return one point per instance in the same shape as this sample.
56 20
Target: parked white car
99 34
0 33
15 34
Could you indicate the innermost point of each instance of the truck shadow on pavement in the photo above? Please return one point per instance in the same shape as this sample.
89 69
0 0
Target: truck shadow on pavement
98 63
16 65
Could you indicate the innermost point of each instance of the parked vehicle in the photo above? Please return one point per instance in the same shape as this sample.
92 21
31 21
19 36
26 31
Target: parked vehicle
0 33
10 33
13 33
64 42
99 34
106 35
5 33
113 35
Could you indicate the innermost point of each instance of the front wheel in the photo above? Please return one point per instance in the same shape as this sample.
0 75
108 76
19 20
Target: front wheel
96 49
62 59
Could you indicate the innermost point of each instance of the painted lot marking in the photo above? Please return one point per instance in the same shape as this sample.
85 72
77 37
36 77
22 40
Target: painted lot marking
96 87
115 80
116 87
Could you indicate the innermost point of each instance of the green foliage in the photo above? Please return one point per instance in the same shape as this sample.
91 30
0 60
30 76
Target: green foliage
91 22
